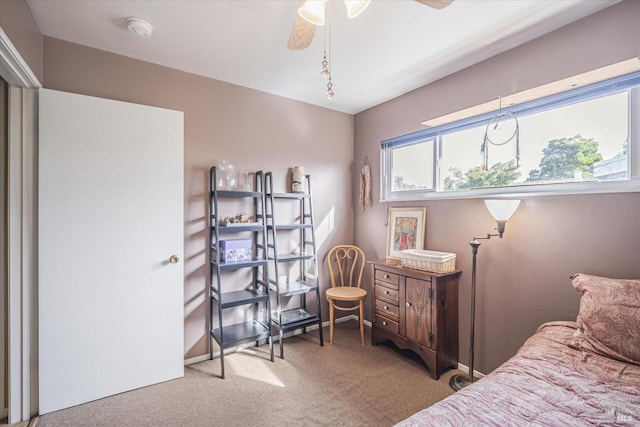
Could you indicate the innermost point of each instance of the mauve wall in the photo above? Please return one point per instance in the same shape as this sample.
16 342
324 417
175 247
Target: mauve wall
523 279
17 21
253 130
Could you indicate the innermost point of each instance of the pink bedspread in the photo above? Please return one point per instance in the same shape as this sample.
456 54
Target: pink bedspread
546 383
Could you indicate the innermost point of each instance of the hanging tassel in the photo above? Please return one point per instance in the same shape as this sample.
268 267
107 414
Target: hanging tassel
518 146
367 186
364 199
362 189
484 154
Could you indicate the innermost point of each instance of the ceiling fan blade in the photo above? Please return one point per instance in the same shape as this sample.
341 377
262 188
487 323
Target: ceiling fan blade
301 34
436 4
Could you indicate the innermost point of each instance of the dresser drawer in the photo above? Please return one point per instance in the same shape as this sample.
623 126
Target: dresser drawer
386 324
386 293
390 278
386 308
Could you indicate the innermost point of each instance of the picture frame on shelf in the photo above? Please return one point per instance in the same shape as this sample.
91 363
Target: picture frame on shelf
406 230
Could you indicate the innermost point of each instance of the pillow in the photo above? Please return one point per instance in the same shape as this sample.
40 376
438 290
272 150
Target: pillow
609 317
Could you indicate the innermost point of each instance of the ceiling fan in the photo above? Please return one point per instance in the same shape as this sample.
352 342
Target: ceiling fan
312 14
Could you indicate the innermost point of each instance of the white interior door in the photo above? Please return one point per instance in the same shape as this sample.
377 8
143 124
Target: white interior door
110 217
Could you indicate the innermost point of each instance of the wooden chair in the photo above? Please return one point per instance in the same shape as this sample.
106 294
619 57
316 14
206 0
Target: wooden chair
346 266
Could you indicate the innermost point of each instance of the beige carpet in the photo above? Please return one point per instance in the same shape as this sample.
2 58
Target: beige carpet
3 423
340 384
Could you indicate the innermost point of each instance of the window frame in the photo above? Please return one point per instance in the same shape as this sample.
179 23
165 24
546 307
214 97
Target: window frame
388 178
591 91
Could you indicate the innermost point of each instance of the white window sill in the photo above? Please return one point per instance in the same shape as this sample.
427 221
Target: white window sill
629 186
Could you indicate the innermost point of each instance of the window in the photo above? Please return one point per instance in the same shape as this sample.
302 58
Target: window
408 164
572 142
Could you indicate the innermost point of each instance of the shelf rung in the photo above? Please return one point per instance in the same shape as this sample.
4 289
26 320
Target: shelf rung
292 257
246 296
294 318
293 288
255 262
289 226
233 193
234 334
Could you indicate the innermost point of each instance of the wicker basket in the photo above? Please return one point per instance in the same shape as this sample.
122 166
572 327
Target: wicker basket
435 262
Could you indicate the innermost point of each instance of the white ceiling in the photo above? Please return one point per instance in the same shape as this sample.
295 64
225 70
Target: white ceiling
395 46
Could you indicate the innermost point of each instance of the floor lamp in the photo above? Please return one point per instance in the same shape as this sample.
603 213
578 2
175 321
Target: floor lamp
501 211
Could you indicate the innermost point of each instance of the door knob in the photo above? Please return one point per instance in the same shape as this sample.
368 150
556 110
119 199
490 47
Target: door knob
408 304
174 259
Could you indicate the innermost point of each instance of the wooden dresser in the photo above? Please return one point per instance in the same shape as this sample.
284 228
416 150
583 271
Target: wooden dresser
417 311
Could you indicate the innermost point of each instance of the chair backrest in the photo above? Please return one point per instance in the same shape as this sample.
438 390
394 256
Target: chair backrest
346 265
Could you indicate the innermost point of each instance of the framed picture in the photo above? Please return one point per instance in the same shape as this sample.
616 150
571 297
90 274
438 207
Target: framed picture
406 230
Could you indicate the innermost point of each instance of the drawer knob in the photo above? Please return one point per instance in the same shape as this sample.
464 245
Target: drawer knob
408 304
386 292
384 323
385 307
386 276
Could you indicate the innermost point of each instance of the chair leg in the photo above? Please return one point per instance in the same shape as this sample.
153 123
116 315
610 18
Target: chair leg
331 315
362 321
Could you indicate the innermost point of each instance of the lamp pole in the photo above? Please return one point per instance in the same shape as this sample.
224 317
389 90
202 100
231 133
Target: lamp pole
501 210
474 250
459 381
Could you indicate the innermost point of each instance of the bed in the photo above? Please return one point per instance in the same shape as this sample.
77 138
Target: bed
580 373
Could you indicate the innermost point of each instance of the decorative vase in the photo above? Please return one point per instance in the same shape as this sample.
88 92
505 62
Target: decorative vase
244 181
298 180
226 176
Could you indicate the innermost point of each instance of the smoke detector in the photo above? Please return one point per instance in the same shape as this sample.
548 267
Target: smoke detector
139 27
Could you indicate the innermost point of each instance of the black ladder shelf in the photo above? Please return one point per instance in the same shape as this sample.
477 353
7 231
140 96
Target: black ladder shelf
223 293
304 255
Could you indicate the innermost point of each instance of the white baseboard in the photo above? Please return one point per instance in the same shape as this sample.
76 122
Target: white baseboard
465 369
196 359
229 350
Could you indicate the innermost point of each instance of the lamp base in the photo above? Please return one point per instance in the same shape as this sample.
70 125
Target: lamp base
459 381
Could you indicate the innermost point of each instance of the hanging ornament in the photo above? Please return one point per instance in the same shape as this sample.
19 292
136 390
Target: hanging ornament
330 89
501 129
325 67
326 72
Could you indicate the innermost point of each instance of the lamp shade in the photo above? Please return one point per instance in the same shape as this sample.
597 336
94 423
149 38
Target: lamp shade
312 11
355 7
502 209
